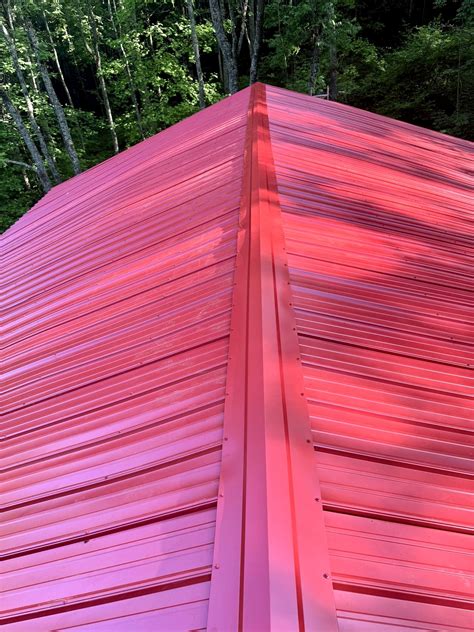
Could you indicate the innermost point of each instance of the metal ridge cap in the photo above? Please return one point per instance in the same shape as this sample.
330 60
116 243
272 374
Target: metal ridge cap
271 561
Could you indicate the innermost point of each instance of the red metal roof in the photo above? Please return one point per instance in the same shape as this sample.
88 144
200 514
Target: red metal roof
265 312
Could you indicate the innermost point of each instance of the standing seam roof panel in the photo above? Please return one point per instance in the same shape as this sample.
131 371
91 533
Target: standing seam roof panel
377 218
117 301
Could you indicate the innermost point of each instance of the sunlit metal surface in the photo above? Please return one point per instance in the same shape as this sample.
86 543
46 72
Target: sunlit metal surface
117 298
378 221
288 272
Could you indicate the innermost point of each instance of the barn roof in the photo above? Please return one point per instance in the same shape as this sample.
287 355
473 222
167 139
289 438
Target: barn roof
237 389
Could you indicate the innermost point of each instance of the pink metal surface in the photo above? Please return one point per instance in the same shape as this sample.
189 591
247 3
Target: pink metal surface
237 389
378 222
116 297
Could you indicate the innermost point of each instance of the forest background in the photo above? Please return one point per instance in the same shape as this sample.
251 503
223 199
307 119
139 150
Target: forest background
81 80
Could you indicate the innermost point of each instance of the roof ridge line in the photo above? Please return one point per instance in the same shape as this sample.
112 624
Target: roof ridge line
271 561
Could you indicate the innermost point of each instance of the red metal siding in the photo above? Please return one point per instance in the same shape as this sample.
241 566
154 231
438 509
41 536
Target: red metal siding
117 292
378 225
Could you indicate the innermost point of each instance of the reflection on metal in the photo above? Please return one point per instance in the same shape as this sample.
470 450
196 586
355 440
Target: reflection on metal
237 388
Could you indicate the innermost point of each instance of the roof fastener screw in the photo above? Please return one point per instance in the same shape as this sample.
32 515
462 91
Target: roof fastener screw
325 575
317 500
216 565
308 440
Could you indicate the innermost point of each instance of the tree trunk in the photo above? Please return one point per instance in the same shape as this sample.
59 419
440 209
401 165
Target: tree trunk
243 28
100 75
222 74
133 90
256 42
20 163
458 84
66 89
25 136
251 23
53 97
332 93
230 64
314 69
233 31
34 83
29 105
58 65
26 180
333 90
197 57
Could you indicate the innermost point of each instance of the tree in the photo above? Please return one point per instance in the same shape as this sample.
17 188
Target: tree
133 90
100 76
126 69
226 48
429 79
257 38
25 136
197 56
29 104
53 97
332 44
56 59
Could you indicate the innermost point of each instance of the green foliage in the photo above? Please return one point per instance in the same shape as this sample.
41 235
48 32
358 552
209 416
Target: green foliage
429 81
412 61
16 193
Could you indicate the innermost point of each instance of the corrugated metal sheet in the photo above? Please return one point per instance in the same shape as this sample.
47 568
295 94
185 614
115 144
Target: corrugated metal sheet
331 251
117 292
378 224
